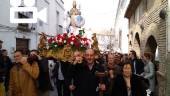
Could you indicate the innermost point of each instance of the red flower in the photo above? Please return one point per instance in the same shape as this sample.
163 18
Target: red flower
65 34
78 36
77 44
50 40
59 36
55 39
71 39
85 39
87 44
71 34
59 43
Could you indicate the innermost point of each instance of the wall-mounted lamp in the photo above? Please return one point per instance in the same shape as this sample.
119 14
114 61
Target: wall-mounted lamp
162 14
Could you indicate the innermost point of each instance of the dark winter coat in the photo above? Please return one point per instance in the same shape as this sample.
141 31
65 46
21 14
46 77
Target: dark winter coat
85 80
137 86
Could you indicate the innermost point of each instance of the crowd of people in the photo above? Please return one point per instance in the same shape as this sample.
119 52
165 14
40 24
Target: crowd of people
87 74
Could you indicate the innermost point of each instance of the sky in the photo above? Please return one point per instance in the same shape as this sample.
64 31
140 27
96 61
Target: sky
98 14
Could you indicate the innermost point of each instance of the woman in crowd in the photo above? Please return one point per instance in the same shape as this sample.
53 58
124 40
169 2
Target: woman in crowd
128 84
149 72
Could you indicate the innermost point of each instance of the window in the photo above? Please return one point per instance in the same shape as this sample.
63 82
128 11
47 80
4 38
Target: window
57 22
144 4
137 15
123 4
132 21
24 27
141 11
60 28
40 23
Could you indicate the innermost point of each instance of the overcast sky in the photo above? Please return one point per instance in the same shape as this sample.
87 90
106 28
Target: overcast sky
98 14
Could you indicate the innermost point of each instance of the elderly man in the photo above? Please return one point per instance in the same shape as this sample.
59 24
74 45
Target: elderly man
85 81
23 76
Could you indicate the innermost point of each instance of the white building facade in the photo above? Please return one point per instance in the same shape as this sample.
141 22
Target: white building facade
55 17
121 27
25 36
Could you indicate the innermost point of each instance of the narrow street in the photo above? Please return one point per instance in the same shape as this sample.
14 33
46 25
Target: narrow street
84 48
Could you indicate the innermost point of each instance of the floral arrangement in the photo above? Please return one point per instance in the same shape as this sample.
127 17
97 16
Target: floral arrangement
77 42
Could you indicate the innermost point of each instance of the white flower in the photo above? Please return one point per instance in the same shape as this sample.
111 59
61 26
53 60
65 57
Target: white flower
82 42
65 41
55 45
71 43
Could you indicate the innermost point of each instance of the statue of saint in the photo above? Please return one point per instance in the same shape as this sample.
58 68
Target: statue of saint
73 13
74 10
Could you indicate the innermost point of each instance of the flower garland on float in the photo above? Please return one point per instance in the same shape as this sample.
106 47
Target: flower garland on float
77 42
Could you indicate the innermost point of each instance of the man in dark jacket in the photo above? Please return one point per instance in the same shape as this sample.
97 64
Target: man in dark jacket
85 81
62 78
7 65
137 64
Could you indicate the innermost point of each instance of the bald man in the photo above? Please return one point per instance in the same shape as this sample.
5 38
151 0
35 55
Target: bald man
86 83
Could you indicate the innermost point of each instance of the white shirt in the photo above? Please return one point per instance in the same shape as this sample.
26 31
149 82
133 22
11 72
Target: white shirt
60 74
